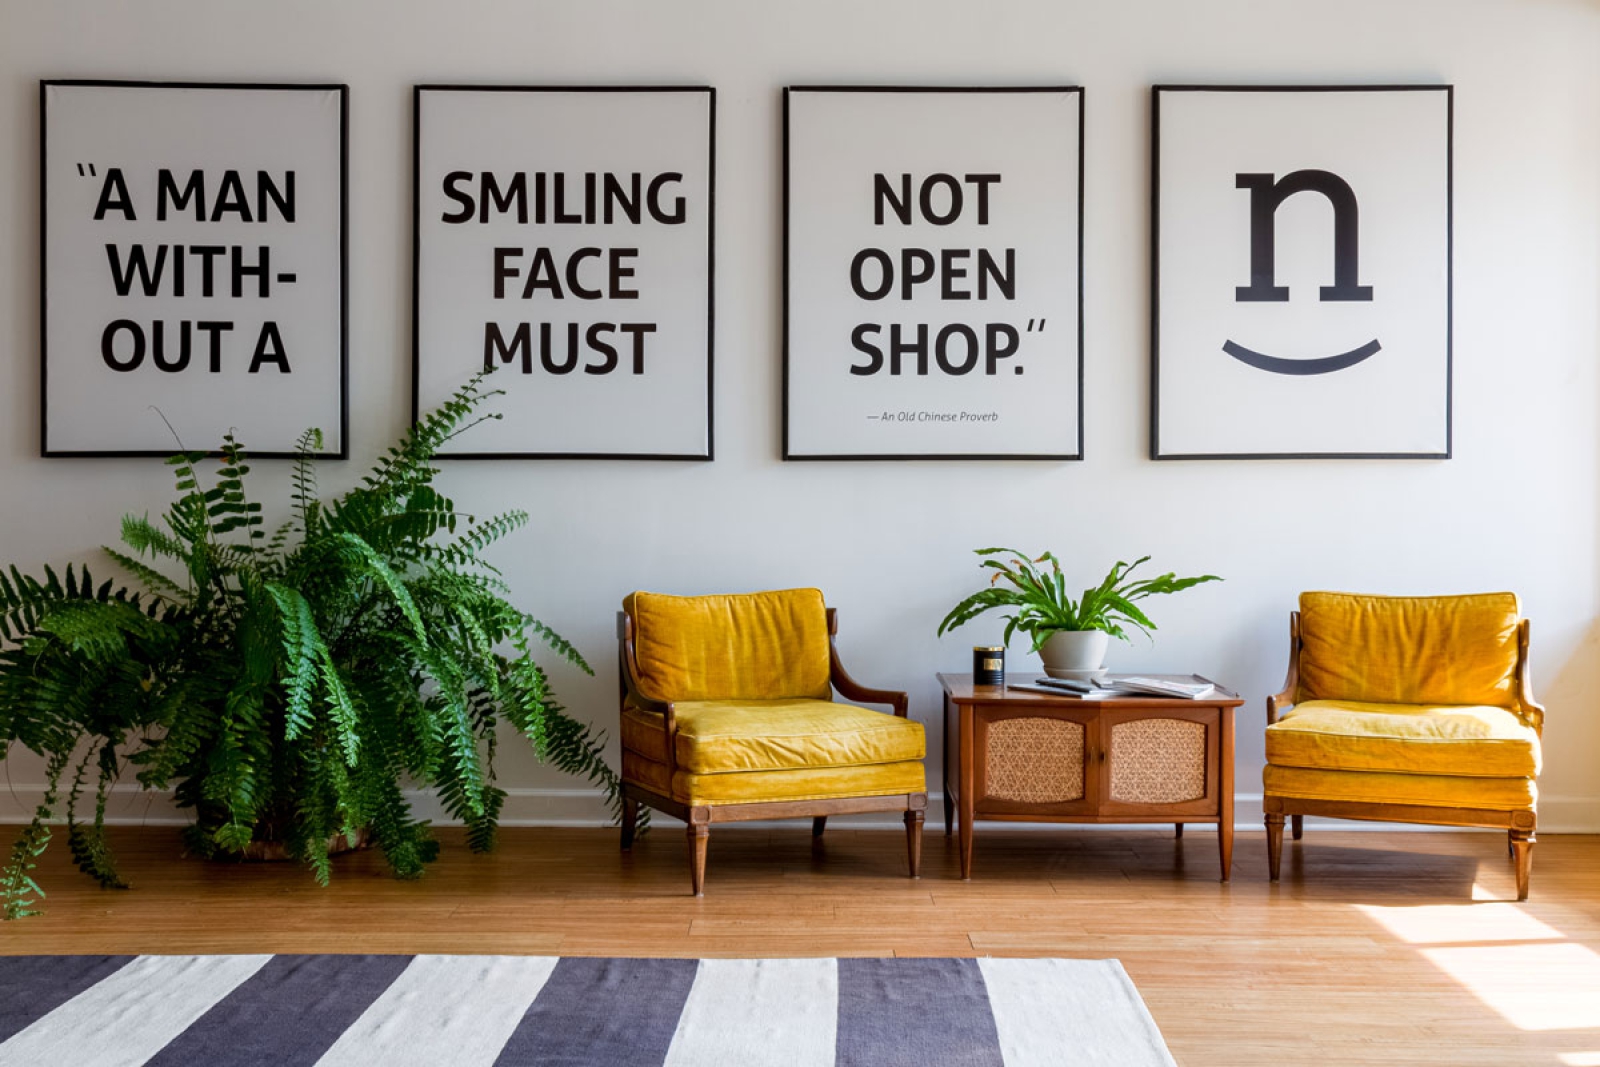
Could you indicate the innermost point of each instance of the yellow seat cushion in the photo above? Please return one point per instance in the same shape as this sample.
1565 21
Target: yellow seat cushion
1409 650
1378 787
822 783
746 646
1342 735
735 736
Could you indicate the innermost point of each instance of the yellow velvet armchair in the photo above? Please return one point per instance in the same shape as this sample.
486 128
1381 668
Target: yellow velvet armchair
728 715
1406 709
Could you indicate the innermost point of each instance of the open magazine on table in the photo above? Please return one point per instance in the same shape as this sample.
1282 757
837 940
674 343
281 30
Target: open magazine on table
1123 685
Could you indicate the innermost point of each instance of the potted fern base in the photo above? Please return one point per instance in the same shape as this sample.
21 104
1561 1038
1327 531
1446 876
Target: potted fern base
285 686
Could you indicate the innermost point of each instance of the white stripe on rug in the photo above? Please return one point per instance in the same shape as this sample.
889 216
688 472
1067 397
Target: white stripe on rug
456 1010
759 1013
132 1014
1043 1008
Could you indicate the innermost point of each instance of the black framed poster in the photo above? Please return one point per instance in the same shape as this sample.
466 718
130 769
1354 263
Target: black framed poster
192 256
563 239
1302 272
933 260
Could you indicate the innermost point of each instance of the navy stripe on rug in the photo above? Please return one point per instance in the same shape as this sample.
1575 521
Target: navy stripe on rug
32 987
937 1010
602 1013
514 1011
287 1014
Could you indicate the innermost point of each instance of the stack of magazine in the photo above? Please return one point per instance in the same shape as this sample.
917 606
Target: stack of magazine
1123 685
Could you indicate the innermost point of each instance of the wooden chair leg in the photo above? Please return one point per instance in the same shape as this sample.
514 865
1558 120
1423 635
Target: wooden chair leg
699 836
1511 843
630 819
1298 826
1522 844
818 824
914 820
1274 844
1178 830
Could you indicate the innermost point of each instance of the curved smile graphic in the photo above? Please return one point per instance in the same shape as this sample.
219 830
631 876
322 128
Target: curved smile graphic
1278 365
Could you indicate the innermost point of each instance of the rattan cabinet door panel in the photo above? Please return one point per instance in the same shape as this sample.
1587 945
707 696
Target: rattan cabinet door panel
1160 762
1035 764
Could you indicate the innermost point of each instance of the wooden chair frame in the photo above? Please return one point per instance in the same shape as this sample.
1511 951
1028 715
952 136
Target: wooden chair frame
1519 825
699 817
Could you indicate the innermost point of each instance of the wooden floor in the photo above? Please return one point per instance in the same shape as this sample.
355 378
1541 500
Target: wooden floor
1377 948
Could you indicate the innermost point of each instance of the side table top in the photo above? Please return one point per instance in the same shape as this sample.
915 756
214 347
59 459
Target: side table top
959 688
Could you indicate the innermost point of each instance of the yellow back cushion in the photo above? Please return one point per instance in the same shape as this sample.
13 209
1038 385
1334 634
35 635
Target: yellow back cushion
747 646
1409 650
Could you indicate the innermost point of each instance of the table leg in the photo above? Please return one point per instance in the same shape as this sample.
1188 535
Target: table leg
944 745
966 790
1225 807
966 846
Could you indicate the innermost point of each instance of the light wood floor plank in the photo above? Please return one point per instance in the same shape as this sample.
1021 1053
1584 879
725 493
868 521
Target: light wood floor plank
1330 966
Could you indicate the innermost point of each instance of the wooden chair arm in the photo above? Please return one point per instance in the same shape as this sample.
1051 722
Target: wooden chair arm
1532 710
1285 698
633 696
853 690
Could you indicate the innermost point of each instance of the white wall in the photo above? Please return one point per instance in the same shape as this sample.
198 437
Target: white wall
1516 509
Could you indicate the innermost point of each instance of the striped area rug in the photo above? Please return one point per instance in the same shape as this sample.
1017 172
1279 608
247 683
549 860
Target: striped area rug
467 1011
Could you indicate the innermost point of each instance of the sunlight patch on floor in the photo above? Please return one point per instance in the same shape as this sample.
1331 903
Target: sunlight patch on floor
1534 987
1580 1059
1460 924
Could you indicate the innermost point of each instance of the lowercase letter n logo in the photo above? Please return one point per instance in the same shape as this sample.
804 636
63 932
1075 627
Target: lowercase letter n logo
1267 194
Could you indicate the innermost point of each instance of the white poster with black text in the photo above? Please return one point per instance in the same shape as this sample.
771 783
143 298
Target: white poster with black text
1302 292
193 267
933 273
563 241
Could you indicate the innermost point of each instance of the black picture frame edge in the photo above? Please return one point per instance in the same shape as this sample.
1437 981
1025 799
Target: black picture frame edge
787 455
1450 271
343 89
44 287
1083 97
416 254
711 279
1156 89
565 87
1188 457
344 273
145 83
1155 272
417 89
953 457
1321 87
453 457
982 87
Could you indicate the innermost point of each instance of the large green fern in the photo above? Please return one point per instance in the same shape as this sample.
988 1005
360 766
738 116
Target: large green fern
284 686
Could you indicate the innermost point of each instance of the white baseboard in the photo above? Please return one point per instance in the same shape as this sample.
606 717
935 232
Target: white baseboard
132 806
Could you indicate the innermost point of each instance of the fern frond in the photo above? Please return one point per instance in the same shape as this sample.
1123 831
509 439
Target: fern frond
284 687
19 893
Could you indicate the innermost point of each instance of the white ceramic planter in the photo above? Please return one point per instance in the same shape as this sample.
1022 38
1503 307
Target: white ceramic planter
1070 653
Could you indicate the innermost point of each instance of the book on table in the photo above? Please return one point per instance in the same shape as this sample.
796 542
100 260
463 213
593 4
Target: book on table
1127 685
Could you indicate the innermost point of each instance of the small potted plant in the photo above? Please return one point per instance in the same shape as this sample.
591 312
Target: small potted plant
1070 635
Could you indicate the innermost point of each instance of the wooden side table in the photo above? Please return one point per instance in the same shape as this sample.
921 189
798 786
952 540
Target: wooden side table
1026 756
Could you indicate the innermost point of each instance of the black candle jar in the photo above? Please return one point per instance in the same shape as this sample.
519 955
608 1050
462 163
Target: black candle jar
988 664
